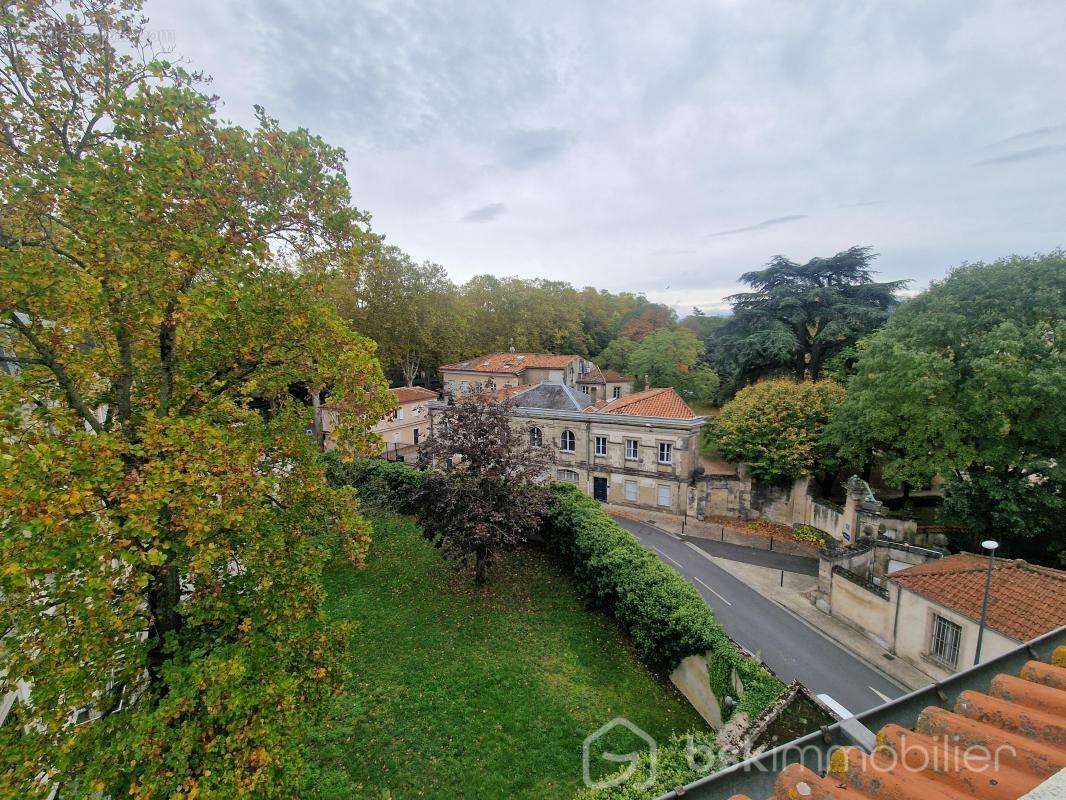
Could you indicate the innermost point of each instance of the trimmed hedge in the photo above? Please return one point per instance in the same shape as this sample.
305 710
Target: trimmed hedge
664 616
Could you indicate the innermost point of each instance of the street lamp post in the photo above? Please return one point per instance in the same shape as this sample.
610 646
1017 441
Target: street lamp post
990 545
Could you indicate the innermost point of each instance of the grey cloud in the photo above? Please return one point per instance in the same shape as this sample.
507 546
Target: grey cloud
485 213
683 121
1023 155
760 226
1035 133
529 148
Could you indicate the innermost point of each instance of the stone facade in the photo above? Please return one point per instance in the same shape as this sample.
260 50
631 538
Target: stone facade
624 460
503 370
400 432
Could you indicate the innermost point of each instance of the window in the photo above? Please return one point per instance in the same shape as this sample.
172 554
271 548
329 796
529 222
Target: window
567 475
399 413
417 435
464 387
601 445
396 438
616 392
536 438
585 389
945 645
666 453
566 442
662 495
632 449
631 491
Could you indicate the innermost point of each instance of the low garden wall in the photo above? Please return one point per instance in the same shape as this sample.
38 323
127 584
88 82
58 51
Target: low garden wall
668 622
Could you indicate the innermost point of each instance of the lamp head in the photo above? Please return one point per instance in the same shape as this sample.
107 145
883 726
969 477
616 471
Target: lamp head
989 544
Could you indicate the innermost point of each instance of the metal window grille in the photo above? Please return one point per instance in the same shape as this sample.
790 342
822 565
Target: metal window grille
946 638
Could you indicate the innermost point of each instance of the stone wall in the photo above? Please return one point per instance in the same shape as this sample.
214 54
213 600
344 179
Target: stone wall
743 498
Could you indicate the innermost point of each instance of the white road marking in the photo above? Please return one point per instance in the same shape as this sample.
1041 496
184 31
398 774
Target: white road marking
664 555
884 697
712 591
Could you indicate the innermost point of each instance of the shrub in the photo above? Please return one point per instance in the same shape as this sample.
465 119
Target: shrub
809 533
776 427
387 485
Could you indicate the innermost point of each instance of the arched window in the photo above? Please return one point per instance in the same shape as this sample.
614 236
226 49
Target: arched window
568 475
566 442
535 437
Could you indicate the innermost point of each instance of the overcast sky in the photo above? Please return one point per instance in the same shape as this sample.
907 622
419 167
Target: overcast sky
666 147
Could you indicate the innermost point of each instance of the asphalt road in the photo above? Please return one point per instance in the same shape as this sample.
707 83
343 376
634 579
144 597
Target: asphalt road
789 646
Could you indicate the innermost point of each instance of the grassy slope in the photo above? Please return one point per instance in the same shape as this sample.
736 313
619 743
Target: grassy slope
456 695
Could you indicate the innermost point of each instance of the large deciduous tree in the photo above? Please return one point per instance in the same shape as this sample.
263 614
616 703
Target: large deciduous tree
799 316
411 310
484 492
163 517
968 381
670 357
776 427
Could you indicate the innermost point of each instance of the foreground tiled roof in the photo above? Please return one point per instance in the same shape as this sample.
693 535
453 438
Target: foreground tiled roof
998 745
649 403
512 362
1025 600
411 394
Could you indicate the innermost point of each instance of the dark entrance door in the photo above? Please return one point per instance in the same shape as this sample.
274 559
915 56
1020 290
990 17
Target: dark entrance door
599 489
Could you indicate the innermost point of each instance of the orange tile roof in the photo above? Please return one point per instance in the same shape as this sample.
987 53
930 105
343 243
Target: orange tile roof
611 376
1025 600
649 403
998 745
411 394
512 363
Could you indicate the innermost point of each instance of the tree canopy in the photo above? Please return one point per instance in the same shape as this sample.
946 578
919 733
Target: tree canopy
163 517
799 316
967 381
483 491
668 357
776 427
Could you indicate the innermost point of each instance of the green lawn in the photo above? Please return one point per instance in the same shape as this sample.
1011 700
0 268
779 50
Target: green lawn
455 694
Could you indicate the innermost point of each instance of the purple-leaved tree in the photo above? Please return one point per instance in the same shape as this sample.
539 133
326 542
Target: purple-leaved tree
485 489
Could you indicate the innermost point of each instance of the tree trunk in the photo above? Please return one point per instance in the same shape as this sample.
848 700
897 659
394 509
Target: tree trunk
316 404
481 566
163 595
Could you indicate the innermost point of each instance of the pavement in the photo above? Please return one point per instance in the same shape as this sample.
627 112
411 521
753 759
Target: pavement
789 645
770 559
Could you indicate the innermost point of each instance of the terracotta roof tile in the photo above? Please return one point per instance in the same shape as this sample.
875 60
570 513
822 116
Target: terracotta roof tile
1020 720
611 376
512 363
411 394
649 403
1025 600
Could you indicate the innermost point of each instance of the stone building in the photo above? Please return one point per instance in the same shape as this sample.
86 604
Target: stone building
502 370
929 614
604 384
639 451
400 432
